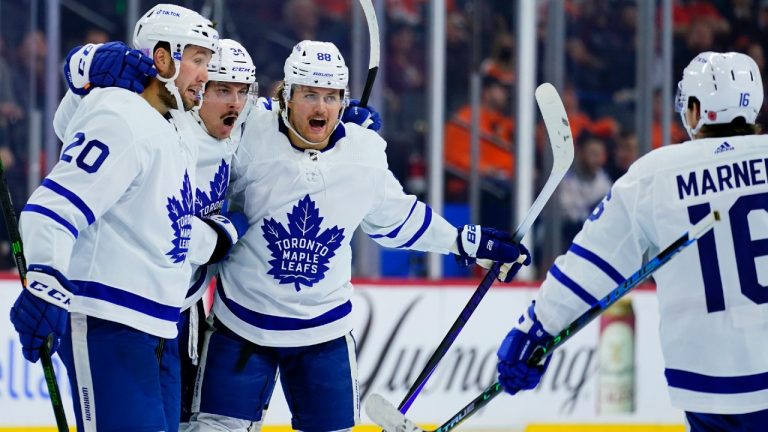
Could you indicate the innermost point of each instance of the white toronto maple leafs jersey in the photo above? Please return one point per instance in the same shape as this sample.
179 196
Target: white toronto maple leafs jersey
287 281
114 215
713 296
212 173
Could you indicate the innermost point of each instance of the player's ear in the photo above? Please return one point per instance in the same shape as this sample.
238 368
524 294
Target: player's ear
695 110
163 62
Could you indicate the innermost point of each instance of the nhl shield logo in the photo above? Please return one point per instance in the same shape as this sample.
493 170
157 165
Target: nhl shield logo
301 253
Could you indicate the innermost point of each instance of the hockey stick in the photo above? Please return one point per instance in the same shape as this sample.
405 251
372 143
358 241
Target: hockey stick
373 59
561 142
12 226
385 415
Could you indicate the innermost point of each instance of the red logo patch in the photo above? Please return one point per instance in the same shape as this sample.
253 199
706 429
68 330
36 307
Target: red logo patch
711 115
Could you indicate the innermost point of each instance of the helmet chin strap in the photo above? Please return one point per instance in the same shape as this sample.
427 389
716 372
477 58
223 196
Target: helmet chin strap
171 85
288 124
692 131
200 96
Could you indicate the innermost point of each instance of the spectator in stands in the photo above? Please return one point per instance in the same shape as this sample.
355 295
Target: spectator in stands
625 151
587 53
406 79
698 38
677 134
757 52
10 114
457 69
28 73
6 156
95 36
687 12
496 164
496 129
29 64
301 20
581 122
741 16
584 186
501 65
10 111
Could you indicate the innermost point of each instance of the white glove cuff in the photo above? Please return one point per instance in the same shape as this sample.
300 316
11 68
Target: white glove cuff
227 226
470 240
80 65
48 288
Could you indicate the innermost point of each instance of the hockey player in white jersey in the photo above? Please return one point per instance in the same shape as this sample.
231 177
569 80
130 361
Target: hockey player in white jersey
712 297
108 232
306 183
215 129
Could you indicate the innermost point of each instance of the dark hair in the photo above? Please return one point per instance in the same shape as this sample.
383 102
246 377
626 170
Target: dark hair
736 127
162 44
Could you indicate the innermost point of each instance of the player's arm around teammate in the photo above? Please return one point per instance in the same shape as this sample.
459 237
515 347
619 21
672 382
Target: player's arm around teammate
306 183
107 235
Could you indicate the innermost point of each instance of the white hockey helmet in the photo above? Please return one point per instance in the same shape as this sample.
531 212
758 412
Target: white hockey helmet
232 63
176 25
179 27
727 86
316 64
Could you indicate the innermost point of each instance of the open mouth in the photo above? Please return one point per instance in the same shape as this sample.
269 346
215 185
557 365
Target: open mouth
193 94
317 123
229 120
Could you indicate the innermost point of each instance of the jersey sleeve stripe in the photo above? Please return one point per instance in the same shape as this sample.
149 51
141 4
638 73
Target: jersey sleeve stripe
572 285
128 300
422 229
693 381
71 197
278 323
34 208
396 231
598 262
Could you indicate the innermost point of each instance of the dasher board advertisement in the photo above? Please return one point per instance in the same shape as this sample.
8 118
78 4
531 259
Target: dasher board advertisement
397 326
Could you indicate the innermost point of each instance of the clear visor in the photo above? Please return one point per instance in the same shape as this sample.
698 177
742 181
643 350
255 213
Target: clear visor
679 98
227 94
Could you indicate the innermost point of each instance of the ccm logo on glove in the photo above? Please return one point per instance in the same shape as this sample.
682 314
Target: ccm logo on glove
58 296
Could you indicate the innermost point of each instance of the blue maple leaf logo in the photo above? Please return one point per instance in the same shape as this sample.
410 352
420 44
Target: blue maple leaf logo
209 203
300 254
180 214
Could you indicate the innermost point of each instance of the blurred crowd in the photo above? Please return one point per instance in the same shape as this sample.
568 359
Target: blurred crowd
599 92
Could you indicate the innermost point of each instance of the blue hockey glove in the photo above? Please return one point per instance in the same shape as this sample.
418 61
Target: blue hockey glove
488 245
366 117
112 64
514 372
230 227
41 309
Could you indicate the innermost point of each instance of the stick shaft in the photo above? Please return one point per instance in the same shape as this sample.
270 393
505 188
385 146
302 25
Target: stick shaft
373 61
561 143
447 341
604 303
12 226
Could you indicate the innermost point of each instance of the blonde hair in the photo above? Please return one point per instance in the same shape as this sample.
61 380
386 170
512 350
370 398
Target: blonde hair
279 90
